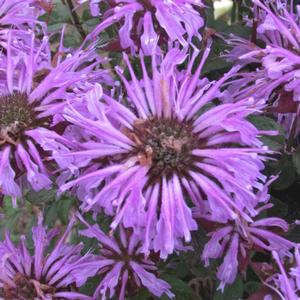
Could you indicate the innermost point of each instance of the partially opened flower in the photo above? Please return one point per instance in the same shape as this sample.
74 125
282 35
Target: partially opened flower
235 240
33 94
165 146
122 265
145 22
45 274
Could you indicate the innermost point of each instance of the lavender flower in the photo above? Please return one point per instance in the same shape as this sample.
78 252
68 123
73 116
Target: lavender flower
143 156
33 94
122 265
277 78
145 22
285 284
44 275
236 239
21 14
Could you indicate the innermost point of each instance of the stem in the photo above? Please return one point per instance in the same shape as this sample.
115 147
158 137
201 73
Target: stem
75 19
290 141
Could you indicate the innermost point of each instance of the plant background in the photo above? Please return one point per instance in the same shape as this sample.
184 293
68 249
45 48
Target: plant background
189 279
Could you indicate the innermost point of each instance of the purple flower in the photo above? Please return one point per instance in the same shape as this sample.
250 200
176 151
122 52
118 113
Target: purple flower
44 275
145 22
162 143
21 14
237 238
285 284
277 78
33 95
122 265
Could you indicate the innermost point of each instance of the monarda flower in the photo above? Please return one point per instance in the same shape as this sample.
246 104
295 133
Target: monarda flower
122 265
164 143
235 240
143 23
20 17
21 14
285 284
277 28
45 274
33 94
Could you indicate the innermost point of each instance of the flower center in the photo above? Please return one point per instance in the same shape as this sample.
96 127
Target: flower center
26 289
16 115
165 144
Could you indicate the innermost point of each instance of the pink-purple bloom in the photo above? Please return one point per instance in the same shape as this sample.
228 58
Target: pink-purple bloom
163 142
33 95
276 25
236 239
45 274
122 265
144 23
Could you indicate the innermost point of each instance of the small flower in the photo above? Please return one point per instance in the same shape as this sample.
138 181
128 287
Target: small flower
236 239
44 275
146 22
122 265
166 143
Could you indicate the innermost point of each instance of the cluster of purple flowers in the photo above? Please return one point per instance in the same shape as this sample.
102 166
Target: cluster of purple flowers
157 148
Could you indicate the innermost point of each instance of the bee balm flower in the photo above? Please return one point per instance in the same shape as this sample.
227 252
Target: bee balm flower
164 147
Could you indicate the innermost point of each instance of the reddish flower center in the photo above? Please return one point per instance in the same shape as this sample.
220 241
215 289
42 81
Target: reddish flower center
16 115
26 289
164 144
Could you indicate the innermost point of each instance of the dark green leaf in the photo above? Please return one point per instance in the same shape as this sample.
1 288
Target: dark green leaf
231 292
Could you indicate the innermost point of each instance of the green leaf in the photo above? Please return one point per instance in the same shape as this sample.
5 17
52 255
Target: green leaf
231 292
64 207
59 14
283 167
40 198
279 210
275 143
252 286
180 288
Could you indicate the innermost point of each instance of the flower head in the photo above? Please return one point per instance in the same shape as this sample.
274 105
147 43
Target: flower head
235 240
122 265
276 78
33 94
146 22
144 157
45 274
